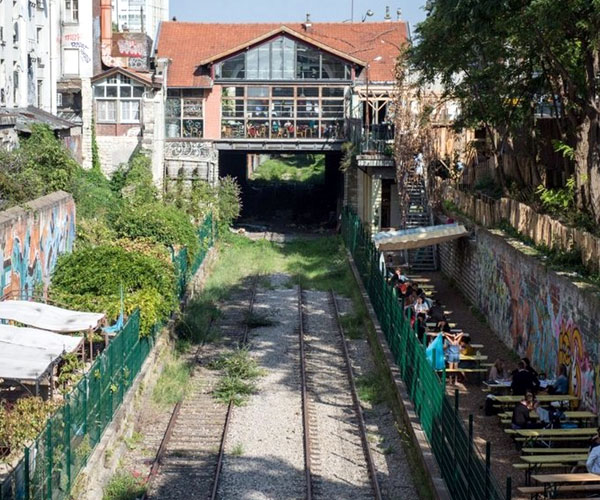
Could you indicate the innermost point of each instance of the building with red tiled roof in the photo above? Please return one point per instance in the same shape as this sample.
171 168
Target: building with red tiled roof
276 81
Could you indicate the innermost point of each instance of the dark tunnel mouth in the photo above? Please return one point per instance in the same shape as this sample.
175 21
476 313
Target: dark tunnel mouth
286 206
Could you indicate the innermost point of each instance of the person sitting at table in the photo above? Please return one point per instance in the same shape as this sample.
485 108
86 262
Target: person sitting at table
443 326
398 277
497 371
593 461
534 373
410 300
522 380
521 418
436 312
561 385
421 325
421 306
466 349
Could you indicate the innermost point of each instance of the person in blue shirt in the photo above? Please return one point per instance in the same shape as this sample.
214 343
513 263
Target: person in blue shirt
561 385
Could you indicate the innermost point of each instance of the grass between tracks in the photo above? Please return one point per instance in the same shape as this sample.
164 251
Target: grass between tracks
124 486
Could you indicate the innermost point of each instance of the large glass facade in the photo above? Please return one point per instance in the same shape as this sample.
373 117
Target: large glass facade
184 113
283 59
283 112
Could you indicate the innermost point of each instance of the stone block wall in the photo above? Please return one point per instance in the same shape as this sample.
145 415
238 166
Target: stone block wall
31 240
539 313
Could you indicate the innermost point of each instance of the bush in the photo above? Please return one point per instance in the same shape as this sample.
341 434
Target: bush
229 202
124 486
160 223
93 195
90 279
135 182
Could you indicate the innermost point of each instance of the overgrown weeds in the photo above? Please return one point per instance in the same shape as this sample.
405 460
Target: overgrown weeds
258 320
124 485
173 383
371 388
353 325
240 371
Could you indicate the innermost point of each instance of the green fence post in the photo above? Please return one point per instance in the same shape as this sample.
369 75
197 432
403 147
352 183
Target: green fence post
68 438
470 456
26 474
488 459
455 422
49 460
508 488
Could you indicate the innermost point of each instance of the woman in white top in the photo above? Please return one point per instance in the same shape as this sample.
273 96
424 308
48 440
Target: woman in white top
421 306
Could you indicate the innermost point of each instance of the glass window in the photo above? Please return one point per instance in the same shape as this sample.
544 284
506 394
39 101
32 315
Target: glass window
252 65
138 91
308 108
99 91
106 111
173 107
333 108
125 91
282 108
112 91
130 111
308 63
264 62
333 91
233 108
192 108
172 128
333 68
258 91
232 68
258 107
192 128
233 91
283 91
308 91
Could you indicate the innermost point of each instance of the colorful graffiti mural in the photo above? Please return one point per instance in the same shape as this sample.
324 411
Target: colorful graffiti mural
539 315
31 242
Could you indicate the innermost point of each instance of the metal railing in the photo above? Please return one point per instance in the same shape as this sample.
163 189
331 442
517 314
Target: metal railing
378 138
51 464
466 472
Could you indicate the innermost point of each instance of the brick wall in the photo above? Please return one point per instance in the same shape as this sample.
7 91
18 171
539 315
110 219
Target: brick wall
539 313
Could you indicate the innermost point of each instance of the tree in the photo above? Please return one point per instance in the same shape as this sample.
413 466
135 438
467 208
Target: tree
499 57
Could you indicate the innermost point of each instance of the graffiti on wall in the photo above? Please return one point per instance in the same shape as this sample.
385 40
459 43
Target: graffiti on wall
538 318
30 245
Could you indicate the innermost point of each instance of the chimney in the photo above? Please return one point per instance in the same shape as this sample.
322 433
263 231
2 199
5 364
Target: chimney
106 32
387 17
307 24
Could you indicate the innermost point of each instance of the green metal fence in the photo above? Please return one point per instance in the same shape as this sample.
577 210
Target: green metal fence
51 464
466 472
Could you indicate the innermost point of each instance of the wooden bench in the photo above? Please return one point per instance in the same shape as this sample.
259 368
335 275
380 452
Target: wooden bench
537 491
554 483
554 450
533 435
535 462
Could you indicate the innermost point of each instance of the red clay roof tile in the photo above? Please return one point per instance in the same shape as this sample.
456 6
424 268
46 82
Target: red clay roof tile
187 44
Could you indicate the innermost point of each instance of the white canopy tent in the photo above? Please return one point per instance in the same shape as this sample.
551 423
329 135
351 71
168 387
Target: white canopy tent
26 354
417 237
47 317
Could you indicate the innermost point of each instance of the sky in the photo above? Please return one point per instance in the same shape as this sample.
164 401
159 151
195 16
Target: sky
232 11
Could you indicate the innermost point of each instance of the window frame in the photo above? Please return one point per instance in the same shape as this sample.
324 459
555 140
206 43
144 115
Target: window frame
183 118
116 83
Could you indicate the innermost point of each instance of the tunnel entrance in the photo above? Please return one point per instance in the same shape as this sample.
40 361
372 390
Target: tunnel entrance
286 190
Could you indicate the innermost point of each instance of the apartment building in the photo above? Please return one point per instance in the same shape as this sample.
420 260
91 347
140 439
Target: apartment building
140 15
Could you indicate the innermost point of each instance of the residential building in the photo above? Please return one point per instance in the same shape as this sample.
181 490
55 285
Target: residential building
140 15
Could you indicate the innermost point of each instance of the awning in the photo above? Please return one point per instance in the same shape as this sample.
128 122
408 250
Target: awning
418 237
27 353
48 317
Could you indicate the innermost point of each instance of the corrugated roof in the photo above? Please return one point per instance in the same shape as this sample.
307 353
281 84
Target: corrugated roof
190 44
25 117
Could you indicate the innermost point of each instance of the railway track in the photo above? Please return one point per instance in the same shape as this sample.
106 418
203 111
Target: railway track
189 460
338 460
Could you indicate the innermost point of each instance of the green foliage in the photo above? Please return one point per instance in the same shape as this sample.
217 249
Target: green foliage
348 156
173 383
160 223
90 278
40 166
93 195
564 149
371 388
239 372
124 485
558 200
293 169
194 324
137 182
490 187
69 370
22 421
96 165
229 202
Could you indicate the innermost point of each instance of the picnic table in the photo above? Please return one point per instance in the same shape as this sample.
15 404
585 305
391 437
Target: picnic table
532 435
542 398
535 462
506 417
557 483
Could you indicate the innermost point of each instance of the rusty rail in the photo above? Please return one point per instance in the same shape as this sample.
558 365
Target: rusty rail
305 410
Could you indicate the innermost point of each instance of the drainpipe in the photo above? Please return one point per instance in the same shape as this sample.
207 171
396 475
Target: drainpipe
106 32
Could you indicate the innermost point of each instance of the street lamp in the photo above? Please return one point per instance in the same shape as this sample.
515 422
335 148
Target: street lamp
369 13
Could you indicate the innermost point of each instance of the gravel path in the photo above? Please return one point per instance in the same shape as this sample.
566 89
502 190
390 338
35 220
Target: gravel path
264 450
387 449
339 470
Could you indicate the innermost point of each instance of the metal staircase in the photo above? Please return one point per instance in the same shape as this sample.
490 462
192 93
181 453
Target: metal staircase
418 215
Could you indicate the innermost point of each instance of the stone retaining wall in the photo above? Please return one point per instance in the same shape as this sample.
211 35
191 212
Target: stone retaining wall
539 313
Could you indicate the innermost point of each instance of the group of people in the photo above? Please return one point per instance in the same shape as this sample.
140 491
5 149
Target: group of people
525 379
